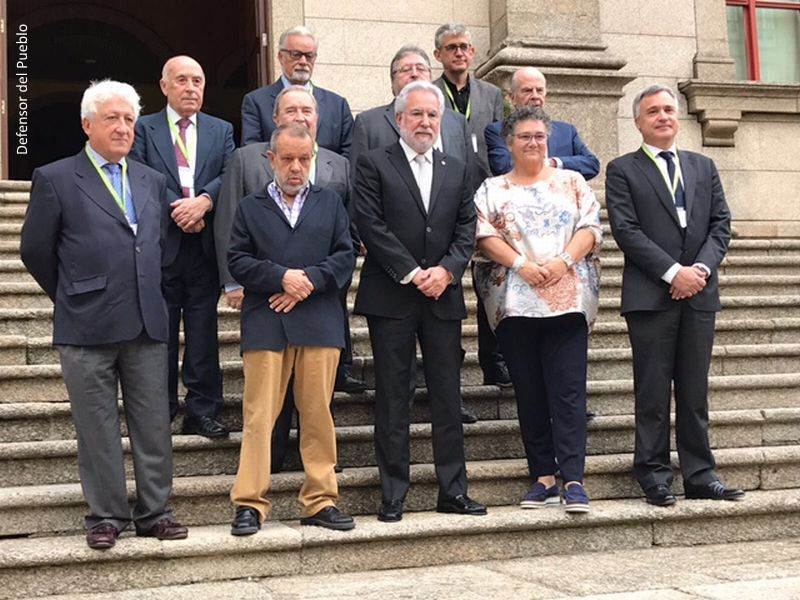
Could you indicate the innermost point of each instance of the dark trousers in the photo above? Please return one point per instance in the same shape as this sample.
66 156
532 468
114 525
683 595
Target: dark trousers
672 345
91 374
191 290
546 359
489 355
393 346
346 357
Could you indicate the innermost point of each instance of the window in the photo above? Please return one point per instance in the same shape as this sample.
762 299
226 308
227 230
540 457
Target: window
764 39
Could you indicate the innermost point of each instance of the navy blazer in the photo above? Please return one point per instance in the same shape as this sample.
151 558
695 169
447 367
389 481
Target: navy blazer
264 246
153 146
334 119
563 143
104 281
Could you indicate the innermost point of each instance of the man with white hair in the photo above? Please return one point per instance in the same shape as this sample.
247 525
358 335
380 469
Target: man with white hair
416 217
297 53
565 148
92 240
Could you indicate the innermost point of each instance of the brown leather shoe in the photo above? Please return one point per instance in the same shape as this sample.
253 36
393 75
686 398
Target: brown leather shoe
166 528
102 536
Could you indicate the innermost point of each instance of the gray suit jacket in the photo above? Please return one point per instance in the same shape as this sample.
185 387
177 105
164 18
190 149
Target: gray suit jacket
377 128
249 172
486 101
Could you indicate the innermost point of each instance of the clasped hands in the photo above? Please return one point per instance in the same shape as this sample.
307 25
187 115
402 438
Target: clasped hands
188 213
296 288
687 282
545 274
432 282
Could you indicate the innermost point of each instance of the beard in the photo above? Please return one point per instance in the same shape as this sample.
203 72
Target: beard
301 77
420 145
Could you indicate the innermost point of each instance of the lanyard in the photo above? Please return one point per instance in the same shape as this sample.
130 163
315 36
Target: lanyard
120 202
675 178
455 106
186 152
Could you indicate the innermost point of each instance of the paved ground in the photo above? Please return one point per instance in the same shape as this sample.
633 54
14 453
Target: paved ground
757 570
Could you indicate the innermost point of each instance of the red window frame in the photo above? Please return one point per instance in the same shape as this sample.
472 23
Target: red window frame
751 30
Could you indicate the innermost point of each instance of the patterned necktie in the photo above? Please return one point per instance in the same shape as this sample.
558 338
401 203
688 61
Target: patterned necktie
115 173
183 125
680 195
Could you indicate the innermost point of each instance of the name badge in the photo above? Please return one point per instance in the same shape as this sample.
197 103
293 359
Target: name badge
682 217
474 143
186 178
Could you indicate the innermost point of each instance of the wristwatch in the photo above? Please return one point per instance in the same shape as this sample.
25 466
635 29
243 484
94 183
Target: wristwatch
565 256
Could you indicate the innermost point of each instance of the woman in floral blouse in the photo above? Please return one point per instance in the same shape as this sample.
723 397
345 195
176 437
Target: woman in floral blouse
537 273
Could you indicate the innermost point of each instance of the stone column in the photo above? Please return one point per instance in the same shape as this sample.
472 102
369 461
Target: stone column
562 39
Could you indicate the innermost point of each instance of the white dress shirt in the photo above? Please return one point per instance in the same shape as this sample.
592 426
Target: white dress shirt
185 175
422 168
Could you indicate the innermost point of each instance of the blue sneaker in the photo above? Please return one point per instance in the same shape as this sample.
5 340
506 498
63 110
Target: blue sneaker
576 499
539 496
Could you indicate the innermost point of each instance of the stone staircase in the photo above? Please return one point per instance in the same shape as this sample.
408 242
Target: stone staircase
755 429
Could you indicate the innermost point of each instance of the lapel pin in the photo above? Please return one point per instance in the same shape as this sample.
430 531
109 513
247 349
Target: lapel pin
443 162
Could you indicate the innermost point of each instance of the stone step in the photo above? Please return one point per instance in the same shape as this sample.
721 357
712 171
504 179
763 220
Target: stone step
10 232
9 250
15 185
203 500
35 567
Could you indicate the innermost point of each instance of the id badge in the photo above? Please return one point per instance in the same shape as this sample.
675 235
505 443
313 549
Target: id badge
186 178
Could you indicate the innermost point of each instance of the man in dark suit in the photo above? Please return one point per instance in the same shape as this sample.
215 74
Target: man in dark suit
415 214
669 216
92 239
291 250
297 52
191 149
565 148
248 172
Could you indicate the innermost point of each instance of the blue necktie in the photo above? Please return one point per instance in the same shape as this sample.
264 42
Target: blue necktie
680 195
115 172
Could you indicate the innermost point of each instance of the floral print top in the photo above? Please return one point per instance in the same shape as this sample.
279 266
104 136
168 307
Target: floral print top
538 221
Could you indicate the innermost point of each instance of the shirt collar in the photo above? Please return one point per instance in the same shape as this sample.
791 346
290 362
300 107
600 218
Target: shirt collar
287 83
98 158
275 192
655 150
174 117
453 87
411 154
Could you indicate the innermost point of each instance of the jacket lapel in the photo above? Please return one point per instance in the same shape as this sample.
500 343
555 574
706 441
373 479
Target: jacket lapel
388 113
271 205
136 177
475 98
689 175
324 172
89 182
397 157
439 166
311 201
447 131
653 175
205 135
163 143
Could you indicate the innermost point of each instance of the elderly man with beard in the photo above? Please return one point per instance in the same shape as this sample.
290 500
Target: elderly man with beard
291 250
415 213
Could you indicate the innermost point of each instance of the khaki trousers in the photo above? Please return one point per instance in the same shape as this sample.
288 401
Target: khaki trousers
266 377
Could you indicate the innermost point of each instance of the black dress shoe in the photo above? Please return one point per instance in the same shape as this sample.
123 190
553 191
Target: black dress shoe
466 415
715 490
246 521
660 495
330 517
205 426
390 511
351 385
462 505
497 375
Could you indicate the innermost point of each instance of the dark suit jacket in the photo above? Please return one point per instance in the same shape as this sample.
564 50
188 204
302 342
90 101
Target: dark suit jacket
377 128
264 245
400 235
645 224
486 102
153 146
249 172
334 122
104 281
563 143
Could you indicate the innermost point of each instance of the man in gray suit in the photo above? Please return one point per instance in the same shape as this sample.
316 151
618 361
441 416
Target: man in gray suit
479 101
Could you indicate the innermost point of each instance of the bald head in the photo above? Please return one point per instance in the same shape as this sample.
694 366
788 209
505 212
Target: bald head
528 87
183 83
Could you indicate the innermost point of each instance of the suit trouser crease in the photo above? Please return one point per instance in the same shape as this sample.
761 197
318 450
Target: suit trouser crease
266 377
91 374
672 345
393 343
547 361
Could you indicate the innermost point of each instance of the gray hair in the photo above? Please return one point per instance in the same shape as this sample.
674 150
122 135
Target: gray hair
401 101
449 30
287 90
294 130
651 91
405 51
529 70
299 30
100 92
526 113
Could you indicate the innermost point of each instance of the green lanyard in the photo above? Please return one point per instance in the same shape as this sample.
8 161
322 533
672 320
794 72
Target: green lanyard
186 152
120 202
453 102
675 178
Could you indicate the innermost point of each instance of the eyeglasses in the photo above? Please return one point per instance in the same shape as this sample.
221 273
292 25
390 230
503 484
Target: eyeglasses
297 55
453 47
526 138
419 67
